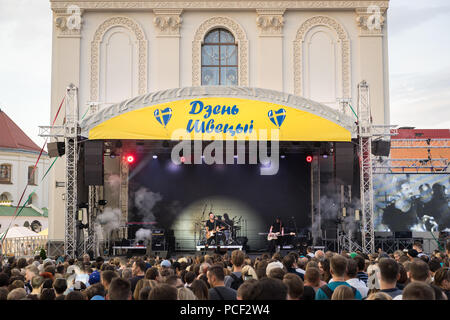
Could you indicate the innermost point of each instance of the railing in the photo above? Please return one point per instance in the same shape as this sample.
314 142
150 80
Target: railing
24 246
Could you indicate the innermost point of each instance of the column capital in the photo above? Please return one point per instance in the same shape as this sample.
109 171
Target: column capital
370 20
167 21
270 22
68 22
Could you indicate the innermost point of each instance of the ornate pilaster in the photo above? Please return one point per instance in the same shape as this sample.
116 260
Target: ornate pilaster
370 21
270 22
68 22
167 21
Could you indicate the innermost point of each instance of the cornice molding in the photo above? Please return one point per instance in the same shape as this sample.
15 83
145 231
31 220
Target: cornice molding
302 4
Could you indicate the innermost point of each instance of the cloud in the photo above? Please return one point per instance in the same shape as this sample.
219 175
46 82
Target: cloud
421 99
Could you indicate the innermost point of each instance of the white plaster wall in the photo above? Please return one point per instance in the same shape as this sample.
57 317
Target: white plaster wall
19 177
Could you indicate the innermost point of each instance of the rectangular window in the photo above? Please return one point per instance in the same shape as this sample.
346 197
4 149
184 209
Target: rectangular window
31 176
5 173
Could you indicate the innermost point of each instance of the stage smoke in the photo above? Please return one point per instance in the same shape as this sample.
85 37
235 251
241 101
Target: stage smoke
143 234
109 220
145 200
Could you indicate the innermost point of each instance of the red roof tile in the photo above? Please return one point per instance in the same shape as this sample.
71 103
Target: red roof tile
12 137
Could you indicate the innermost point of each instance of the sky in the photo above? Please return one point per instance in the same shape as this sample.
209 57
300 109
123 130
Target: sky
419 64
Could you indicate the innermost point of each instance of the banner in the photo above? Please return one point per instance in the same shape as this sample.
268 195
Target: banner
215 118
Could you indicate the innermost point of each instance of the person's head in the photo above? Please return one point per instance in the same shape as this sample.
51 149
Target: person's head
434 265
216 275
389 270
174 281
75 295
418 291
442 278
269 289
3 293
47 294
138 267
95 290
144 292
398 254
249 273
211 216
295 286
16 284
163 291
17 294
379 296
200 289
417 246
106 277
289 261
338 265
36 282
119 289
312 277
189 277
343 292
185 294
30 272
352 269
276 273
152 274
60 286
4 280
245 290
360 262
86 258
418 271
237 258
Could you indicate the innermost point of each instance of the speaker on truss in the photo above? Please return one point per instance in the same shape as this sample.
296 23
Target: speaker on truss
381 148
56 149
93 162
344 157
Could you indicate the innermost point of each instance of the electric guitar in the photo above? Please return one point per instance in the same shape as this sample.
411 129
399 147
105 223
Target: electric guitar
275 235
211 233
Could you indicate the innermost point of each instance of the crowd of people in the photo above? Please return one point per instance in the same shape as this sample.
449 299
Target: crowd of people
315 275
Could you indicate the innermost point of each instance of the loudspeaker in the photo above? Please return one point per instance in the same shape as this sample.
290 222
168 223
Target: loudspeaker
381 148
344 157
56 149
161 254
93 163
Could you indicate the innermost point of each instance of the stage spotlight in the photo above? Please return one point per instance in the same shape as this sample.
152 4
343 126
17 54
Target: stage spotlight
235 156
325 156
282 156
155 156
309 159
102 202
182 159
130 158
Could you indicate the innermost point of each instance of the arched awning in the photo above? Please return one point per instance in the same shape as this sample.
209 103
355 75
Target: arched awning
219 113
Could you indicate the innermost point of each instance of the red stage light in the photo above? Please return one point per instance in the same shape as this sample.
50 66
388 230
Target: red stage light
309 159
130 158
182 159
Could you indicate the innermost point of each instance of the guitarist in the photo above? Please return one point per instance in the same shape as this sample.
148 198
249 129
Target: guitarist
212 226
276 227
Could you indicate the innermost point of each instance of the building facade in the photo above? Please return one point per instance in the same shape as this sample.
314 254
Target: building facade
116 50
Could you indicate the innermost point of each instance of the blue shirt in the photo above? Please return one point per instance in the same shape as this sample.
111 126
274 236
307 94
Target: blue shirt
320 295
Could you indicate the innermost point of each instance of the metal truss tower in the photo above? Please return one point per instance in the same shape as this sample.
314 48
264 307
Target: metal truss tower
366 171
71 131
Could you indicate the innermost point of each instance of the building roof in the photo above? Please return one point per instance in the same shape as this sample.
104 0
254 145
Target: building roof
12 137
412 133
8 211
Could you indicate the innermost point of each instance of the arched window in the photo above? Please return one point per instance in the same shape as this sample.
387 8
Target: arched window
219 59
5 173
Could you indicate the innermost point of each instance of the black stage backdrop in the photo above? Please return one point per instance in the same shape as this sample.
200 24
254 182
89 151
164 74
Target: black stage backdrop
170 189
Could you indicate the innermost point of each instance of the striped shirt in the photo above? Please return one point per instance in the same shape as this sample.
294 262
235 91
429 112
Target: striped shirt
362 276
